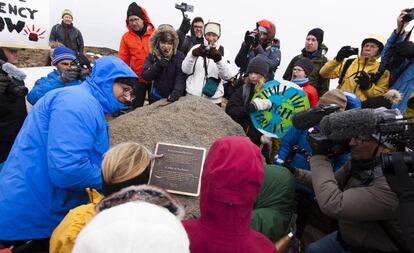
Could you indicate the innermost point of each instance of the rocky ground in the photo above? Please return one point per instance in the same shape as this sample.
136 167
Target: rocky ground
39 57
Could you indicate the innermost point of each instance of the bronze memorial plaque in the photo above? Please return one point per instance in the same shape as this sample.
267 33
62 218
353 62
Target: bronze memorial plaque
179 170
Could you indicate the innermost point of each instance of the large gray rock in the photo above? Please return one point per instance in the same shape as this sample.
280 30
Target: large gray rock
191 121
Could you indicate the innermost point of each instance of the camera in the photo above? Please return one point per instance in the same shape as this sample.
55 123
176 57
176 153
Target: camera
184 7
409 16
353 51
388 166
17 88
16 76
322 145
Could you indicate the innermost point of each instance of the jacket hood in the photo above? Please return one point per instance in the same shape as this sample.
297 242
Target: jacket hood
146 19
156 37
271 28
231 179
101 81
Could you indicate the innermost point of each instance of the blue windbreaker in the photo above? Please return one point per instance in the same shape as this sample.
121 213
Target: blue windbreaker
45 84
58 153
405 71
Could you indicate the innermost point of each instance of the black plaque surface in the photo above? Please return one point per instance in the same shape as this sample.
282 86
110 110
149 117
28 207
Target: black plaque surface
179 170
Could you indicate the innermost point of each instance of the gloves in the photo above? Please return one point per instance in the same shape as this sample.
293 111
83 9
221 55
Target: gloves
4 83
248 38
403 49
345 52
199 51
214 54
256 41
363 80
262 104
185 25
401 183
174 96
83 74
71 74
162 63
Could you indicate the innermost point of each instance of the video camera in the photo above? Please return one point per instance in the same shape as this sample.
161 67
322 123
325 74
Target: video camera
82 65
16 76
184 7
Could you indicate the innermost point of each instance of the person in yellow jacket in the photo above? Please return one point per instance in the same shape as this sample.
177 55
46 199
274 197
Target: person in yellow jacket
359 76
124 165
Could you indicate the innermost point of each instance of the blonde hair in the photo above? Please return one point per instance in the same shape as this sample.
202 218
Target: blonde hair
125 161
259 85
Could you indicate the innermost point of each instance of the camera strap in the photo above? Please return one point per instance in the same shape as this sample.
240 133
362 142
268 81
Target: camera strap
347 63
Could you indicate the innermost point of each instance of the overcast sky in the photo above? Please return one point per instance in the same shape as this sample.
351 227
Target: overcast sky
345 22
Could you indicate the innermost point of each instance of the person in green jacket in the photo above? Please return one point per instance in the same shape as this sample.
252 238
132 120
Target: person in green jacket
314 50
273 209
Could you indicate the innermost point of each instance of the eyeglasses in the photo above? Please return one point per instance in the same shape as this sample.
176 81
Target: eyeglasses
128 93
361 139
197 27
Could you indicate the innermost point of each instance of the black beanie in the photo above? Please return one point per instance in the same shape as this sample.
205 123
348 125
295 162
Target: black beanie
305 64
166 37
258 65
131 81
318 33
134 9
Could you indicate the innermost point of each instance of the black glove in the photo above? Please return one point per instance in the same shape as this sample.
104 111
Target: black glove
363 80
199 51
70 74
403 49
256 41
162 63
83 74
248 38
174 96
185 25
214 54
344 52
401 183
5 81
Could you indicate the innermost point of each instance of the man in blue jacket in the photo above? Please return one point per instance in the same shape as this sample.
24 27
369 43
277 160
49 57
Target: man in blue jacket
58 153
63 76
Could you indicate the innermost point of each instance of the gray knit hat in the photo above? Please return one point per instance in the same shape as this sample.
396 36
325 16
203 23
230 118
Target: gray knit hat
258 65
305 64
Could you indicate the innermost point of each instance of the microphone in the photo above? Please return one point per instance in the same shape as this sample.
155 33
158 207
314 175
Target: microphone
309 118
12 70
356 122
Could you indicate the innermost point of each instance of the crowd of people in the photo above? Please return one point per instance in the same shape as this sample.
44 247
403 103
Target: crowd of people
63 189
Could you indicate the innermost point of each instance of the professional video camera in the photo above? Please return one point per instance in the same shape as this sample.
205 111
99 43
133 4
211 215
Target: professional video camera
388 125
17 79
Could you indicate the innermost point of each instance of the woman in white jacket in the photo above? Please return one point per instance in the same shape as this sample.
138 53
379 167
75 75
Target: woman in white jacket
206 63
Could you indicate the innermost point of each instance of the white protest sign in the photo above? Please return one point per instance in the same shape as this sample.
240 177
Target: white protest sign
24 23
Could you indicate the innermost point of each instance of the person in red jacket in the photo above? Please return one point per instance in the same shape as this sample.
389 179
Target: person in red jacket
300 73
135 47
229 186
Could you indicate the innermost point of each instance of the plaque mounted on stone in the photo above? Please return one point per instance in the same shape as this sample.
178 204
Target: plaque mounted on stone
179 170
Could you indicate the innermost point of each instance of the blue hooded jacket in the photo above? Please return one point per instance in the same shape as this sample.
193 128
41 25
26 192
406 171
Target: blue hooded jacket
300 138
405 80
58 153
45 84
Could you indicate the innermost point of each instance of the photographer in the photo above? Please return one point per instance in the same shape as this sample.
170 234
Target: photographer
206 66
64 75
12 106
357 195
260 41
356 75
163 66
400 52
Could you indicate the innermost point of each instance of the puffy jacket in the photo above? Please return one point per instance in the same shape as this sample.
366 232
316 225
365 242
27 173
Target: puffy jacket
318 58
194 67
45 84
273 209
333 69
165 80
58 34
360 208
133 49
229 186
403 75
58 153
64 236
